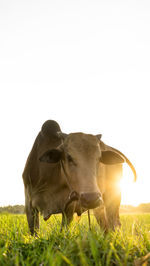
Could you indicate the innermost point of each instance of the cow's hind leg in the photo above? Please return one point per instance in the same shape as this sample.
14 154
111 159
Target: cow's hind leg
32 218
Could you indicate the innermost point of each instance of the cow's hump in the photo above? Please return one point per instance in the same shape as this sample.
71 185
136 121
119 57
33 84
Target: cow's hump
50 128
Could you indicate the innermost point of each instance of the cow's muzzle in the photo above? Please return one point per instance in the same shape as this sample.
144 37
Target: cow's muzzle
86 200
90 200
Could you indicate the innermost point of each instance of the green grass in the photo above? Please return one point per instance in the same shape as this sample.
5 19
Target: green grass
75 246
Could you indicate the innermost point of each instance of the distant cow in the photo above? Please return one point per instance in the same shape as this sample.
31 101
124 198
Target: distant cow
71 173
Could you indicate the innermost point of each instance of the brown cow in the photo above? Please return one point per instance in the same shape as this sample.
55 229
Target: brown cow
67 174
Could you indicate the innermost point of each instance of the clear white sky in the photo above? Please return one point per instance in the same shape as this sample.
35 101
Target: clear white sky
85 64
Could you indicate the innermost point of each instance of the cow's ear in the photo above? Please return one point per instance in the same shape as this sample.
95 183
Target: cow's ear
111 157
51 156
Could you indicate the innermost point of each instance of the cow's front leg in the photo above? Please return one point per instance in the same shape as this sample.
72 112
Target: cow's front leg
32 218
67 215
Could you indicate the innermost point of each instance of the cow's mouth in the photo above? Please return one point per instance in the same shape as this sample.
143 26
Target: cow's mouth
47 217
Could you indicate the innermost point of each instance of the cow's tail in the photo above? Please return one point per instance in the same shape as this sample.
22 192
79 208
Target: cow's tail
127 161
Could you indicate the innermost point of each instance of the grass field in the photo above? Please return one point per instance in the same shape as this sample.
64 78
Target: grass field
75 246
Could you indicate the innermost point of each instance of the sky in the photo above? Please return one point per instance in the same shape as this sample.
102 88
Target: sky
85 64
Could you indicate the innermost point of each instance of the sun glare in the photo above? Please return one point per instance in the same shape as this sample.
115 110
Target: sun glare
130 191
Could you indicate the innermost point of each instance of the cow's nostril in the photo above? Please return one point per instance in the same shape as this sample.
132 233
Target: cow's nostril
74 195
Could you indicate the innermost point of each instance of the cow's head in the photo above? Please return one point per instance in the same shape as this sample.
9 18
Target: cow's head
80 156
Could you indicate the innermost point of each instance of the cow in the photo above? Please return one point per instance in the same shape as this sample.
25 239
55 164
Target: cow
71 173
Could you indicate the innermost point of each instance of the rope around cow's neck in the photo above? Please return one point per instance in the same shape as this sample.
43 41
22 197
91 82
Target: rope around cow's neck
89 219
73 196
66 177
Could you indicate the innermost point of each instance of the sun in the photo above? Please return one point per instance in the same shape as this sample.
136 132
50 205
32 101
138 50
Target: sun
130 191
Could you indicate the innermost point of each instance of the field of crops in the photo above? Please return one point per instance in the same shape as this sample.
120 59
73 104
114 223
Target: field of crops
75 246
